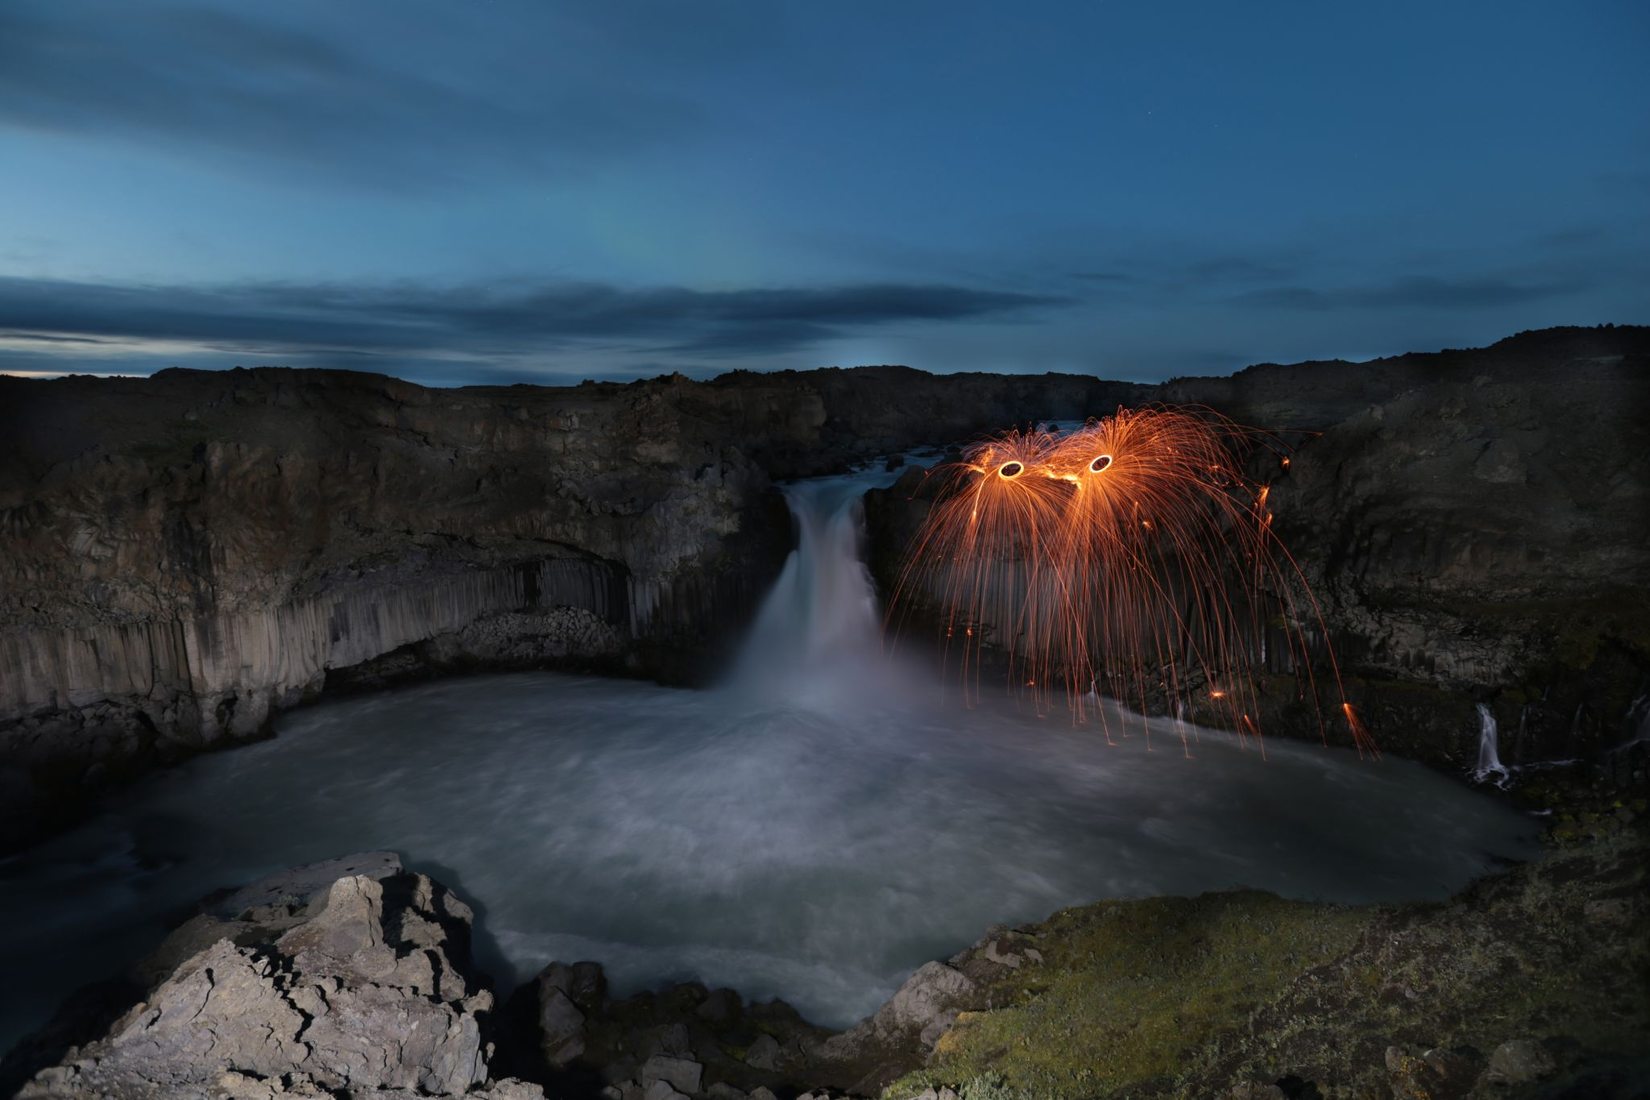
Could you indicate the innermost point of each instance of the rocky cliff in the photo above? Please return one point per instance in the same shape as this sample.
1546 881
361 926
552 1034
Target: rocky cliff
348 977
1476 525
188 553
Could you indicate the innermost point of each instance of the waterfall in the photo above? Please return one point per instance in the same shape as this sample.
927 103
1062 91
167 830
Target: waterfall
1638 724
817 639
1489 755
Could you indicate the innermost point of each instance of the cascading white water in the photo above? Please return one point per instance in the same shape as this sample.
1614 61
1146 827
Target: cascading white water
817 640
1637 723
813 830
1489 749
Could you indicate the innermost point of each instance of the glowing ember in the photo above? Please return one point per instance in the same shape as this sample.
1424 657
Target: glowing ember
1131 553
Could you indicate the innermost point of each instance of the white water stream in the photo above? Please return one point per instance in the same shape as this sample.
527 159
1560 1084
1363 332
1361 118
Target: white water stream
812 830
1489 766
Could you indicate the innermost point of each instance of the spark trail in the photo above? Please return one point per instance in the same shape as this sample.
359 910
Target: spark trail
1132 555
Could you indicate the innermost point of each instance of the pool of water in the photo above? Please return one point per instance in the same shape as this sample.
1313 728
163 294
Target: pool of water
814 850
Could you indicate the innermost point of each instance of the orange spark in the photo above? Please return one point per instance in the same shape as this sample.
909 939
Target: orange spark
1131 551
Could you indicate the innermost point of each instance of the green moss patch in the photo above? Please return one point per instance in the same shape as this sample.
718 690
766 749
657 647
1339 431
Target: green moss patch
1189 997
1129 991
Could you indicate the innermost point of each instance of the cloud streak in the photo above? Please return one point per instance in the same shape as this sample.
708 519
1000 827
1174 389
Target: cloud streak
1410 292
288 321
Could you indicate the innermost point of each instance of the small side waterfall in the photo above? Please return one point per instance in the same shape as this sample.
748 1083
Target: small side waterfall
1638 724
1489 749
817 639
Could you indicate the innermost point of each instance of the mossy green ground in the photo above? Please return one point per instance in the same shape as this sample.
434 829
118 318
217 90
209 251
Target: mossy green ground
1190 997
1129 990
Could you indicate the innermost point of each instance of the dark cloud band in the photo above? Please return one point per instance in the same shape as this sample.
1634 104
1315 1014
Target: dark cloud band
279 319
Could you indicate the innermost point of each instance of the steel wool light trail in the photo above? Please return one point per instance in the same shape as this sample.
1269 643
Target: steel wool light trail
1130 556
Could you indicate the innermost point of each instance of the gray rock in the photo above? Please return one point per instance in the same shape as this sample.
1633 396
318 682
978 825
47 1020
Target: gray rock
1518 1062
720 1006
662 1090
995 951
724 1091
680 1073
299 887
923 1009
927 996
671 1039
762 1092
561 1026
366 994
583 983
763 1053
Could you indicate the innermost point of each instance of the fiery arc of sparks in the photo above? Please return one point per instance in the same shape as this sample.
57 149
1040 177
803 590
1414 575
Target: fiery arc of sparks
1131 554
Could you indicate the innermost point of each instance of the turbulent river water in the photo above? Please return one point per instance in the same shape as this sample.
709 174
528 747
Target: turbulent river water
814 829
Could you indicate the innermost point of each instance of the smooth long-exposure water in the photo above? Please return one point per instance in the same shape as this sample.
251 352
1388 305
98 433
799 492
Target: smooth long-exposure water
813 830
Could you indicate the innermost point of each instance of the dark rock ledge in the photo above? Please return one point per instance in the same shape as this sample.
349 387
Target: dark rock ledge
353 978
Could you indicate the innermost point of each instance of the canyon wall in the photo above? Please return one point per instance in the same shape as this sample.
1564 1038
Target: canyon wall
189 553
1476 525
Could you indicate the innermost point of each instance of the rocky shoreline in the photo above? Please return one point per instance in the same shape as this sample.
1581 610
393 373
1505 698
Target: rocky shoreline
353 978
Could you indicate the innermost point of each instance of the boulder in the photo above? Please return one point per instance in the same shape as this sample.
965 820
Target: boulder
926 998
1519 1062
679 1073
763 1053
561 1026
369 991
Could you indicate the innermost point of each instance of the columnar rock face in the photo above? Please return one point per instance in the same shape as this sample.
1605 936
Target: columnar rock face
186 554
1475 525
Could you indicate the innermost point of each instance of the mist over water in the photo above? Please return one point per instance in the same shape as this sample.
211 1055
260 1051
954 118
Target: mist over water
814 829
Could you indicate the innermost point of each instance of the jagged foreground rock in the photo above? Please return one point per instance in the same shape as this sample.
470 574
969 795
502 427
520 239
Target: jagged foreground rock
308 985
351 979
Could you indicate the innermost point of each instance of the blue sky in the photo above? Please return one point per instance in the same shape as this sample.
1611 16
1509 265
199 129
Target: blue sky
528 191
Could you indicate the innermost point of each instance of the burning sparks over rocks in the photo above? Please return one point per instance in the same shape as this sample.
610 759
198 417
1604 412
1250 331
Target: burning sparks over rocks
1131 556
